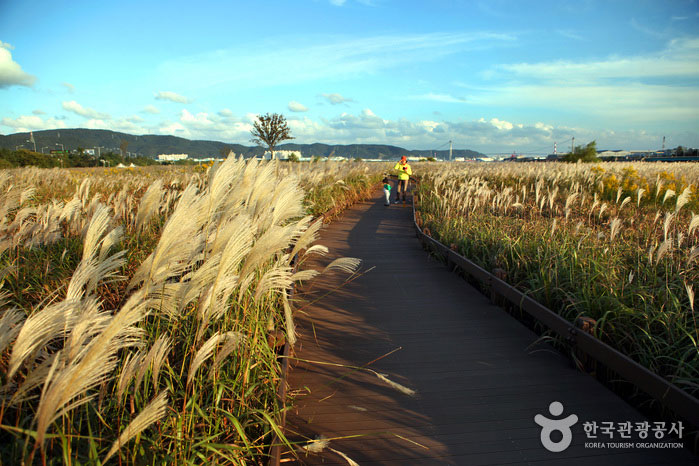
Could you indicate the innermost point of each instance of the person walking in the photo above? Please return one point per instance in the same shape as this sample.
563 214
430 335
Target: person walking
403 171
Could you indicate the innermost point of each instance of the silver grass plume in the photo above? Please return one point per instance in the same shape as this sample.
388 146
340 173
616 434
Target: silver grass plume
53 321
92 366
308 236
278 279
667 223
345 264
693 255
128 370
693 224
668 194
153 412
180 244
615 225
149 205
207 350
9 326
289 320
154 360
639 195
233 340
663 249
683 199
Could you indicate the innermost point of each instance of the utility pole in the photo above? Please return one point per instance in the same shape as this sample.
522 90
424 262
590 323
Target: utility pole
572 146
554 148
450 149
663 143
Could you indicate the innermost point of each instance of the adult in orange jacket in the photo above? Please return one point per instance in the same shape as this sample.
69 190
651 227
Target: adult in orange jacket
403 171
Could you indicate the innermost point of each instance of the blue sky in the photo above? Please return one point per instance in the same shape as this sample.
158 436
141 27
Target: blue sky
494 76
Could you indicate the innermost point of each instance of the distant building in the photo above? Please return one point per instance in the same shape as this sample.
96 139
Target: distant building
281 154
172 157
613 153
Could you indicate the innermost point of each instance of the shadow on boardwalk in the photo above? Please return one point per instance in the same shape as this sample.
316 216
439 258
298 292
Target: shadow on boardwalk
478 380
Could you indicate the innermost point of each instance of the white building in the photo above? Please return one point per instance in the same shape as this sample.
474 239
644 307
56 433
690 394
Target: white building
172 157
281 154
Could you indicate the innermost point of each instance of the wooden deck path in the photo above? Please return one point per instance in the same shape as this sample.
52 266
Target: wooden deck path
478 383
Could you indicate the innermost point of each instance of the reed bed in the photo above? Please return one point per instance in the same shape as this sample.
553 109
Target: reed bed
615 245
140 309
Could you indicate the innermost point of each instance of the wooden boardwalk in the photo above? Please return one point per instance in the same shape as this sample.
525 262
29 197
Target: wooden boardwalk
478 382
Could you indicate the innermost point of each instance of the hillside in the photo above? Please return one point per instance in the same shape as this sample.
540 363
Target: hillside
151 145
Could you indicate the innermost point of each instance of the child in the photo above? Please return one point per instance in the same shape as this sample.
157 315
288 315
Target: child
386 191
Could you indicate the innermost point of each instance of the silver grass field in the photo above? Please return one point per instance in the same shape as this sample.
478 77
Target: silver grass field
614 245
136 306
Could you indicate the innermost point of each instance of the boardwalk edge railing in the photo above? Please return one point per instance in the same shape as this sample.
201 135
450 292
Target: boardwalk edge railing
671 396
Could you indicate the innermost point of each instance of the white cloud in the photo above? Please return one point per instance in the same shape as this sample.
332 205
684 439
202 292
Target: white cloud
446 98
651 90
96 123
31 123
225 113
11 74
69 87
174 129
336 99
258 64
499 124
38 112
172 97
209 126
201 120
679 59
73 106
135 119
297 107
152 109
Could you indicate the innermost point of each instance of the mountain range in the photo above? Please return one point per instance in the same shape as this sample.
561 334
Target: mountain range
150 145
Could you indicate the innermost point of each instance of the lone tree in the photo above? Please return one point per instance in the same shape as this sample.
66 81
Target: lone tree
587 153
270 130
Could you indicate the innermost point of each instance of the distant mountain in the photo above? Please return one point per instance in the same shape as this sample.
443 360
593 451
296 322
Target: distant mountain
150 145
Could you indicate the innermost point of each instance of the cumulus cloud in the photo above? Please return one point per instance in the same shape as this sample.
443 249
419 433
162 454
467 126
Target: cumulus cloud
152 109
336 99
297 107
174 129
38 112
134 119
172 97
69 87
208 126
11 74
73 106
32 122
225 113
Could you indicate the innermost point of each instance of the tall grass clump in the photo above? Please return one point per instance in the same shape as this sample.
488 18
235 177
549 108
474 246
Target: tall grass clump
135 311
613 243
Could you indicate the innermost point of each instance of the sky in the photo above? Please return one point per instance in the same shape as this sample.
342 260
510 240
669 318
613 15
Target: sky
493 76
